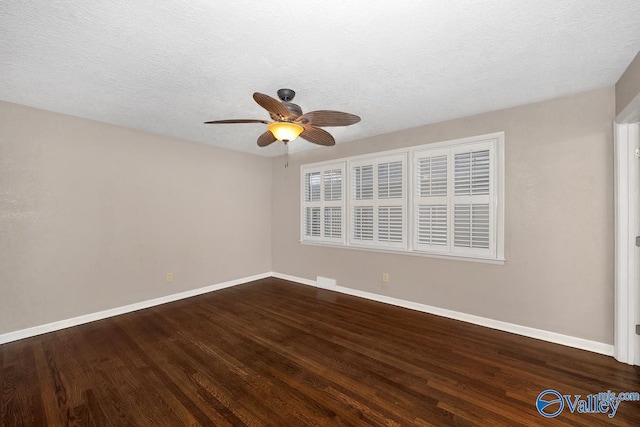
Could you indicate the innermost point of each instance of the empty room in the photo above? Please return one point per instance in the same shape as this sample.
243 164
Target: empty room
417 213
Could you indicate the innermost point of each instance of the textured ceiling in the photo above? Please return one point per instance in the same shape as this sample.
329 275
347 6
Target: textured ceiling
167 66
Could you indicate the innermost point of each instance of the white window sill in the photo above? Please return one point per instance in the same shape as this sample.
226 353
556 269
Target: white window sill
457 257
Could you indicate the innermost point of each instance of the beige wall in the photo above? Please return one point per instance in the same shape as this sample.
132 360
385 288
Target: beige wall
628 86
92 216
558 274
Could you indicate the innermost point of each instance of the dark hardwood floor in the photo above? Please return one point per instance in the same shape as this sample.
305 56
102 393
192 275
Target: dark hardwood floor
275 353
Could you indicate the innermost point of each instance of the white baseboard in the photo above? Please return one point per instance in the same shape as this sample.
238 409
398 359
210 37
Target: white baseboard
294 279
593 346
569 341
92 317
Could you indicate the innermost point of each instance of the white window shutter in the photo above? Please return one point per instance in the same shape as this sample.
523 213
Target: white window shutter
362 202
312 222
332 185
391 203
431 210
363 182
472 173
312 187
323 204
378 202
333 222
390 224
473 230
333 204
431 227
362 224
390 180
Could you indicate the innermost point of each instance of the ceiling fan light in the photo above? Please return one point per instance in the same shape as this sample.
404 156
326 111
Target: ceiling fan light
285 131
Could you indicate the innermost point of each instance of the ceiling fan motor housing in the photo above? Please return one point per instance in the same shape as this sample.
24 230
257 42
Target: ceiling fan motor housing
286 96
294 108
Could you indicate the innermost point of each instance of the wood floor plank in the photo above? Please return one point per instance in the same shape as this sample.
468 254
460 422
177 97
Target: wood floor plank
274 353
298 380
36 408
176 374
12 413
364 361
286 355
2 392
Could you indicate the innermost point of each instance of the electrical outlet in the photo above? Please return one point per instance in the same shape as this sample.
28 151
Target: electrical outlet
385 277
169 277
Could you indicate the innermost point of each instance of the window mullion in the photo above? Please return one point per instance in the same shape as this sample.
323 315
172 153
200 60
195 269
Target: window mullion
450 199
374 203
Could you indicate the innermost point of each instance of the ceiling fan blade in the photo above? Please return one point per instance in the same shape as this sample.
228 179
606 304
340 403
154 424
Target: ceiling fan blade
272 105
317 136
327 118
266 139
237 121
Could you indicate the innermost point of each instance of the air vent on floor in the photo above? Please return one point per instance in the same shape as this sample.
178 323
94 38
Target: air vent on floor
325 283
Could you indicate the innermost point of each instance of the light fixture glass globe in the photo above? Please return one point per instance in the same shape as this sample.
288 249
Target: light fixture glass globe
285 131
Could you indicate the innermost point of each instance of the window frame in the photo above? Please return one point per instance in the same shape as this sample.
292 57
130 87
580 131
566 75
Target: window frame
376 202
322 203
434 201
495 254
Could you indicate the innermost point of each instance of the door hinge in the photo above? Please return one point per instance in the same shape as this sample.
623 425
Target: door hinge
638 241
637 329
638 153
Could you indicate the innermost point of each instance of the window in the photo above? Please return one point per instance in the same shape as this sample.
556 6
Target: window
378 202
430 201
453 209
440 199
323 204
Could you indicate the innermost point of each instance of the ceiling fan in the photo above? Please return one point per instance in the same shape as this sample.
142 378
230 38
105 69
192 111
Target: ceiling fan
289 122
